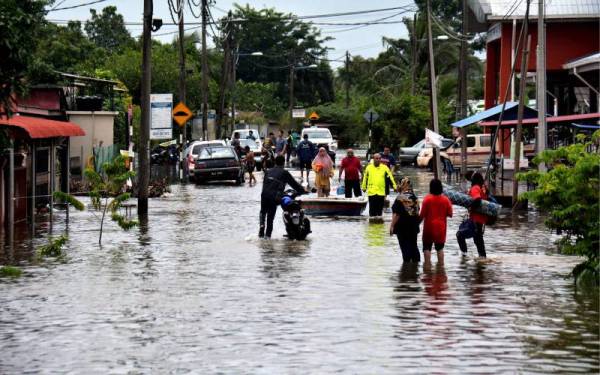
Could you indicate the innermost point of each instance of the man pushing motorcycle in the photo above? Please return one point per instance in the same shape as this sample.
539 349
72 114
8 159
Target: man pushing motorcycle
274 183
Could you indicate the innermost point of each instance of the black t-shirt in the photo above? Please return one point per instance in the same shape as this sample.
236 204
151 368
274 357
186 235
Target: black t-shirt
406 224
275 181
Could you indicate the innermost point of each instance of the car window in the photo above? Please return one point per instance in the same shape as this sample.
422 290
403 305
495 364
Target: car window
196 149
318 134
419 144
248 142
485 141
447 143
216 153
470 141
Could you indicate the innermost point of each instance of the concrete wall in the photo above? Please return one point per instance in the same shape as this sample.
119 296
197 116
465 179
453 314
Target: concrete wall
98 127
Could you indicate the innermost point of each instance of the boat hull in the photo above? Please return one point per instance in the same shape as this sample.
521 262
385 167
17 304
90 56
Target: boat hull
333 206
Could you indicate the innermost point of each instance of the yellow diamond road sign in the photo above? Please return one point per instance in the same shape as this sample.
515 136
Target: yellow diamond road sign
181 113
314 116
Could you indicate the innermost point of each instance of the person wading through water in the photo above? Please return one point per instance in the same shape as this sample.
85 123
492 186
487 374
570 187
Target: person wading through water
435 210
306 153
405 221
274 184
478 192
351 168
373 184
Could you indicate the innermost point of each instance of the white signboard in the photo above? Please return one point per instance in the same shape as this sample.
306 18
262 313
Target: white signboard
432 138
161 121
298 113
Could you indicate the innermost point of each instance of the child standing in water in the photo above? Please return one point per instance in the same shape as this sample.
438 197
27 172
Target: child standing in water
435 210
250 164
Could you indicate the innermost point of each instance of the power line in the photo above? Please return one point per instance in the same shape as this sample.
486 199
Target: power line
76 6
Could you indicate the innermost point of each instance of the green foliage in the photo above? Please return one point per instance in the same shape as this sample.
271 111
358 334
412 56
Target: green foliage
107 30
258 97
106 191
284 41
53 248
20 23
10 271
68 198
570 193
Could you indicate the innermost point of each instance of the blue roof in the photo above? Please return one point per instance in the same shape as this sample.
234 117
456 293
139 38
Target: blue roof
586 126
510 113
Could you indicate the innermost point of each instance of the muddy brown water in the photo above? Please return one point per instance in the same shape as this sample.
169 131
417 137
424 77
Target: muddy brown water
195 291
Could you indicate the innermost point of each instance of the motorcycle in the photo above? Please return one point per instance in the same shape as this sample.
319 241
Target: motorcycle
296 223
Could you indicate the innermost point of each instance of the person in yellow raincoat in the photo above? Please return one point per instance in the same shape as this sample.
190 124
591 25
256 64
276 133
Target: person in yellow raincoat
373 184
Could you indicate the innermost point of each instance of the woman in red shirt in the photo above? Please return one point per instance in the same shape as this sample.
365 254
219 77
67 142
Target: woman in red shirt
478 193
435 210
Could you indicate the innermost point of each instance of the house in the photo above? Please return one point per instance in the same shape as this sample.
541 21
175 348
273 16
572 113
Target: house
572 57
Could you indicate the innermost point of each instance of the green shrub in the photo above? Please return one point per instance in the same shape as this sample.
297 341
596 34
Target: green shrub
570 194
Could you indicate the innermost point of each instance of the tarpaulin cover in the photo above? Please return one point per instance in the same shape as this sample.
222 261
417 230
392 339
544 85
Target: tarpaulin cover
39 128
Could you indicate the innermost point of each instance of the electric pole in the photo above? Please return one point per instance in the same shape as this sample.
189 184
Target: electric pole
144 166
433 92
291 87
182 129
521 109
347 79
204 72
225 69
542 137
413 68
462 91
234 60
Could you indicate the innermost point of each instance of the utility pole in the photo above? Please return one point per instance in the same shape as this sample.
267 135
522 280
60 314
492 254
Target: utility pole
144 171
415 52
462 91
225 68
204 72
291 87
234 60
433 92
347 79
542 137
519 130
183 130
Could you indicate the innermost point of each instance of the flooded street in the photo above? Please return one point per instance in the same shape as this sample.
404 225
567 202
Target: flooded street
195 291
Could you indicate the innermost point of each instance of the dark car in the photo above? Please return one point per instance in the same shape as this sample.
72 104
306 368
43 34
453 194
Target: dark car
218 163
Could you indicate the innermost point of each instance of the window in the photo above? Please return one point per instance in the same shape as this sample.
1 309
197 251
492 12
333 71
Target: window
216 153
315 134
470 141
485 140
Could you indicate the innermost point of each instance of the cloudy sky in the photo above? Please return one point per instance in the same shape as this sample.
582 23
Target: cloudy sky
365 41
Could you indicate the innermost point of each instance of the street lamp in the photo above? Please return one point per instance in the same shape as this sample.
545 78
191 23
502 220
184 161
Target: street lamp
236 57
293 69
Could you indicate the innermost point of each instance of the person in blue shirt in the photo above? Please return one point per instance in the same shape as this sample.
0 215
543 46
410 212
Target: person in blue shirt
388 158
280 144
306 153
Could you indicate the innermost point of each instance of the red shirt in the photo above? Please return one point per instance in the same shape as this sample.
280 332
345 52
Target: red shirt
351 167
434 211
476 192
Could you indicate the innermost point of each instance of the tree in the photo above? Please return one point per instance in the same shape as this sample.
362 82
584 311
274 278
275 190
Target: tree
20 23
284 42
570 193
107 30
106 192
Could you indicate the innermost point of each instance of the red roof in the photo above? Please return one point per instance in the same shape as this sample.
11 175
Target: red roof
549 119
38 127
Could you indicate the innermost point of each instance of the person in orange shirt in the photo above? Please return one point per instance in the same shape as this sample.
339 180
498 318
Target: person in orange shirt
478 192
435 210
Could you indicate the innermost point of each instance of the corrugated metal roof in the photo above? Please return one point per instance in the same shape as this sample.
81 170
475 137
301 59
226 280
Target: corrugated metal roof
587 60
497 10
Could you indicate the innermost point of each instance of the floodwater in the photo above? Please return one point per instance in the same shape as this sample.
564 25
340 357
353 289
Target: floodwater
195 291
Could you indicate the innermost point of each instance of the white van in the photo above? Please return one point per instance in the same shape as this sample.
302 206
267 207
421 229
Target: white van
320 137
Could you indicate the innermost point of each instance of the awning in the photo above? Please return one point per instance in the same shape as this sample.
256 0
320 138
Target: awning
38 128
549 120
586 126
510 113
